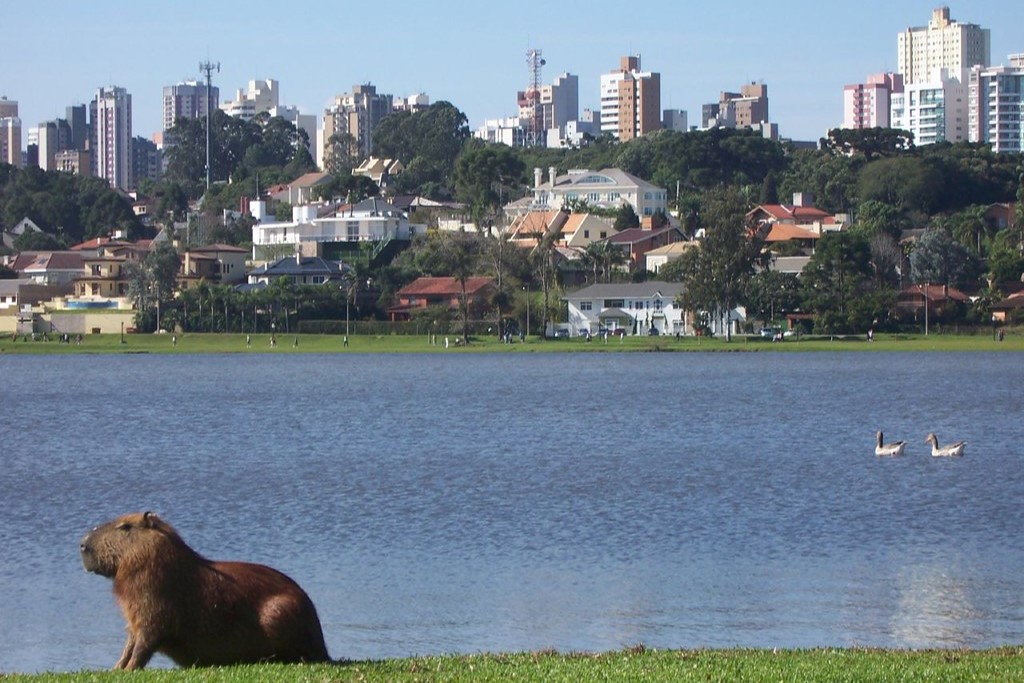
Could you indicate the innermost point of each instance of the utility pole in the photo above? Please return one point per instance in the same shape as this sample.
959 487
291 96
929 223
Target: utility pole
208 68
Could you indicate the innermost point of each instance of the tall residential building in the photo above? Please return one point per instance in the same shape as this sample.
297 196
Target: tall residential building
747 108
77 120
10 133
630 100
869 104
942 44
261 96
675 119
110 136
188 100
934 111
48 144
357 114
996 106
146 159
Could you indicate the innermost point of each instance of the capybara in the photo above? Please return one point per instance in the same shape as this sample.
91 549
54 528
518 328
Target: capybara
196 611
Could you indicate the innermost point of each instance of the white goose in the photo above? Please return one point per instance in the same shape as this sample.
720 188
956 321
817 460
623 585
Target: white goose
947 450
893 448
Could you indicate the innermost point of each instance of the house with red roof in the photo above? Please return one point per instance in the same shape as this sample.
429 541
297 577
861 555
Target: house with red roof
636 242
425 292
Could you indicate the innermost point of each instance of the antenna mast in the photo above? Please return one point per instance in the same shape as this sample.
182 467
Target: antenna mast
208 68
535 120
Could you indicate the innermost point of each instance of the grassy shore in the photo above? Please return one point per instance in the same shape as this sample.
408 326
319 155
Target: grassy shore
291 343
639 664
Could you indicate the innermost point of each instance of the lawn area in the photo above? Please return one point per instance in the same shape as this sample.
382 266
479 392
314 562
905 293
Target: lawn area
638 664
313 343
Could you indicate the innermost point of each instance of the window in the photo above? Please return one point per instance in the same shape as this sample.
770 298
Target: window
614 303
586 305
586 234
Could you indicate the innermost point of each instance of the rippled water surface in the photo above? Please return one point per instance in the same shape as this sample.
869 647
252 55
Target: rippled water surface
439 504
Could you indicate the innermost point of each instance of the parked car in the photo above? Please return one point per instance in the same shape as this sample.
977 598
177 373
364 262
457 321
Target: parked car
561 334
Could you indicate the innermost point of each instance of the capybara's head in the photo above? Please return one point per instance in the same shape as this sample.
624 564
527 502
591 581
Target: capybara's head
134 535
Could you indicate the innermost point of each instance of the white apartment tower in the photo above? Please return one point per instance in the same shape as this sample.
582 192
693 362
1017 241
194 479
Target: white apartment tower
261 96
188 100
996 106
111 136
942 44
934 111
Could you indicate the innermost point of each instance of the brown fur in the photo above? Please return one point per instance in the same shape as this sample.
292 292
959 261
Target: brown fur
196 611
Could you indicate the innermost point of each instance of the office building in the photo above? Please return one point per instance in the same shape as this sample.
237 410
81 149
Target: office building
630 101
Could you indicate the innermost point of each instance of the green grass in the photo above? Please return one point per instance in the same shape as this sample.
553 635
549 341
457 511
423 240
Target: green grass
638 664
290 343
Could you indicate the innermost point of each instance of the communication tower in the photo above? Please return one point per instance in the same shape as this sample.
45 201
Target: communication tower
535 112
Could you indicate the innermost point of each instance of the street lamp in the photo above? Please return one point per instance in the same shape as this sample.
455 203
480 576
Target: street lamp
526 287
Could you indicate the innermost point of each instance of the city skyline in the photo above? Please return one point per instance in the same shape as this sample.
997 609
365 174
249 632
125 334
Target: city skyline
472 56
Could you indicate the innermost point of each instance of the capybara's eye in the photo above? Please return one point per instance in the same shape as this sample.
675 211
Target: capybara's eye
124 526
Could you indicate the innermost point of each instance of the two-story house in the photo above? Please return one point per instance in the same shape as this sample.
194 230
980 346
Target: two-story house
425 292
332 232
634 308
609 188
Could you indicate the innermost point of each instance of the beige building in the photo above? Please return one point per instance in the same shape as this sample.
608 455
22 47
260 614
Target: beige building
942 44
10 132
630 101
260 96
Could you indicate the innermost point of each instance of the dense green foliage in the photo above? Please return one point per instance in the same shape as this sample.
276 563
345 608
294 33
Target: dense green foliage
69 208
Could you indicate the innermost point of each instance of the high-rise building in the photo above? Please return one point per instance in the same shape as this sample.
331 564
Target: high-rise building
261 96
110 133
942 44
675 119
188 100
75 115
145 159
747 108
996 104
934 111
630 100
869 104
10 133
357 114
73 161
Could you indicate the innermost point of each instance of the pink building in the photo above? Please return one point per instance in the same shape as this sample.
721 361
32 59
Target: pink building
867 105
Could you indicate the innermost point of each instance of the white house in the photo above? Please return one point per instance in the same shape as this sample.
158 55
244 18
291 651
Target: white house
371 220
638 308
635 307
606 189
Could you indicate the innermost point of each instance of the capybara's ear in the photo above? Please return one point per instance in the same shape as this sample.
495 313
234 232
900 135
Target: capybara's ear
149 519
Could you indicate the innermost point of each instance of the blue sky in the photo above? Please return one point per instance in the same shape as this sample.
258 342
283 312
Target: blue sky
472 54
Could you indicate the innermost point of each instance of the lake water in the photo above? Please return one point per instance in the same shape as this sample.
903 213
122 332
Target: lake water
465 503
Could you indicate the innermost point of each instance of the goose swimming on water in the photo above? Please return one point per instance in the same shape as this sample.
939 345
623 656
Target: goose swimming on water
893 448
955 449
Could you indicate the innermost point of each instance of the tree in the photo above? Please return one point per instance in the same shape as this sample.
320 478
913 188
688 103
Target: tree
771 293
717 272
427 142
907 183
838 281
483 174
626 218
939 259
870 142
